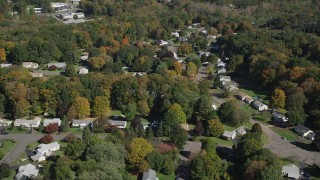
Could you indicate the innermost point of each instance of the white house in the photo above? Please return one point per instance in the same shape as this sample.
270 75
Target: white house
207 54
81 123
58 6
222 70
27 171
5 123
46 122
291 171
305 132
30 65
70 15
47 149
241 131
36 75
221 64
175 34
230 86
214 106
27 123
278 117
5 65
83 71
150 175
75 1
38 157
162 43
119 124
84 56
259 106
229 134
59 65
224 79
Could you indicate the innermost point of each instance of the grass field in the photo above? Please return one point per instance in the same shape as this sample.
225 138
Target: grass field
6 146
159 175
218 141
17 130
286 133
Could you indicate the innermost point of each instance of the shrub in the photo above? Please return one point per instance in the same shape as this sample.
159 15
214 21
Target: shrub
51 128
69 138
4 170
46 139
168 167
53 68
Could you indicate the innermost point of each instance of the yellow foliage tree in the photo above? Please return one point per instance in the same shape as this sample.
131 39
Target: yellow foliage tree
278 99
2 55
138 149
97 62
191 70
80 108
101 106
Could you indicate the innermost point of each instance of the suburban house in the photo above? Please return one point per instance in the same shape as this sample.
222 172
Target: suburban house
47 149
305 132
259 106
83 71
30 65
230 86
241 96
248 100
46 122
27 123
59 65
279 118
27 171
71 15
207 54
224 79
84 56
241 131
36 75
150 175
118 124
75 1
81 123
221 64
222 70
229 134
291 171
175 34
58 6
38 157
5 123
162 42
214 106
5 65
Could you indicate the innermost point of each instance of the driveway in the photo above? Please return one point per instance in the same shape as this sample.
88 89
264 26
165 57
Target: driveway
22 141
285 149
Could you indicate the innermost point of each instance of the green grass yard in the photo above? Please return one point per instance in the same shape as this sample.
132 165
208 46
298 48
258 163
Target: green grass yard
286 133
6 146
159 175
218 141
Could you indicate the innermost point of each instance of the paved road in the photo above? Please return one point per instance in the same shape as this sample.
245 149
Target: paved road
286 149
22 141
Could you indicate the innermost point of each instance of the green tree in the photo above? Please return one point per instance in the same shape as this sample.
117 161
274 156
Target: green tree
65 126
209 145
63 170
130 110
101 106
87 135
296 117
178 136
70 70
155 160
231 113
75 149
191 70
168 166
202 167
256 128
4 170
215 128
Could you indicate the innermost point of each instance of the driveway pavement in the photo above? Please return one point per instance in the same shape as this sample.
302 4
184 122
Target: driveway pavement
286 149
22 141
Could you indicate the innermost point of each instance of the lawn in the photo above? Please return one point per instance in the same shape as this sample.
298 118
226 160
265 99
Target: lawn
75 130
218 141
7 145
159 175
114 113
286 133
17 130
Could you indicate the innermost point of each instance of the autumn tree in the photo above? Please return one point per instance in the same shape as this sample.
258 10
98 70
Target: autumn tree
138 150
173 118
184 49
2 55
231 113
80 108
101 106
46 139
51 128
215 128
97 62
191 70
278 99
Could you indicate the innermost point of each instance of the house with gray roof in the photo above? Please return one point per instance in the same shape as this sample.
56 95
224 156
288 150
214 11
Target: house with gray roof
27 123
59 65
291 171
305 132
119 124
81 123
46 122
150 175
27 171
229 134
259 106
279 118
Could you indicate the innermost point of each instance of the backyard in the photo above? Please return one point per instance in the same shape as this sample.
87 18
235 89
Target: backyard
5 147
